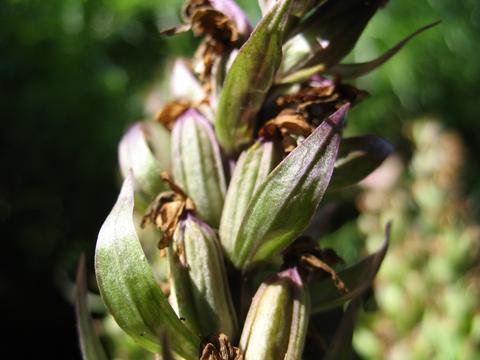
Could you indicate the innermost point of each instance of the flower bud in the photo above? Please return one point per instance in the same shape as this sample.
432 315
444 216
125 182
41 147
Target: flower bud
197 165
252 168
145 149
200 292
183 84
249 80
277 321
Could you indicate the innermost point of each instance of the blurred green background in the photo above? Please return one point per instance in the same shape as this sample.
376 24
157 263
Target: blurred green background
75 73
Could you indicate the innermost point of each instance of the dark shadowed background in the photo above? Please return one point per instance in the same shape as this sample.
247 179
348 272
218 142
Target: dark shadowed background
75 73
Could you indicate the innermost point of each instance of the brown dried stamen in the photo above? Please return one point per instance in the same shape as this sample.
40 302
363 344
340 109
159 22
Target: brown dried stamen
312 260
288 125
317 100
167 209
171 112
211 22
203 19
205 57
220 348
315 263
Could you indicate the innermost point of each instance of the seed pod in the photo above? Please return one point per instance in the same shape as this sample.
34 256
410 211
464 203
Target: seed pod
200 290
277 321
145 149
197 165
253 167
249 80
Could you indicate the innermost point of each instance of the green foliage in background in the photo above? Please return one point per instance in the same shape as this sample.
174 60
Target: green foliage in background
73 74
428 288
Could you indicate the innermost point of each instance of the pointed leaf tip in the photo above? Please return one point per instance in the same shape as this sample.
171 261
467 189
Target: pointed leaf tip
284 203
353 71
127 285
338 117
358 278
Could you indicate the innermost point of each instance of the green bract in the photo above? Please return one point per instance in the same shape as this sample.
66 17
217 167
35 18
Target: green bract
285 202
127 285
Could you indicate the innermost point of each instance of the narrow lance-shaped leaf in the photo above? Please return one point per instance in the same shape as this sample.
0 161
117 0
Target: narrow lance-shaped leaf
357 278
252 168
352 71
283 205
357 158
127 285
249 80
197 165
327 36
90 344
145 149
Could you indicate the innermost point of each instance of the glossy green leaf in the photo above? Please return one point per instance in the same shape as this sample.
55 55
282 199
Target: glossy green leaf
357 158
357 278
197 165
249 79
90 344
128 288
284 203
352 71
252 168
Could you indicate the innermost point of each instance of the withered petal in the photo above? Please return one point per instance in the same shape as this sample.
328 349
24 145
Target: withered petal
174 30
171 112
